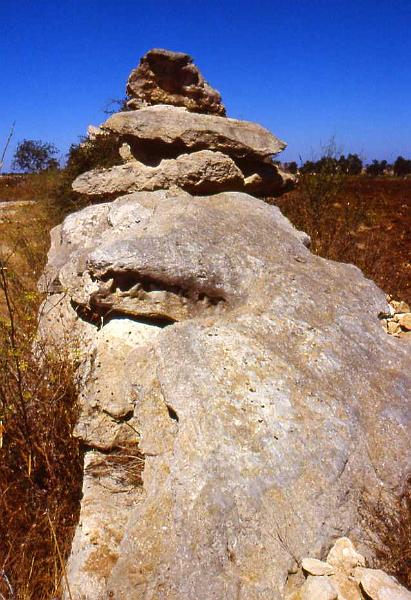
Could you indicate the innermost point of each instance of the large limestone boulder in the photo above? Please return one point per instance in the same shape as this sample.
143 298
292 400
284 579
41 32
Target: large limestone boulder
166 77
202 172
171 129
254 377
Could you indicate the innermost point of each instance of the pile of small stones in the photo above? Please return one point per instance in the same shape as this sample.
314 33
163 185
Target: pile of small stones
343 576
398 321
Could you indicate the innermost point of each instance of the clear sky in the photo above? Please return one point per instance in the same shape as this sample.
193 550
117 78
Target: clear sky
306 69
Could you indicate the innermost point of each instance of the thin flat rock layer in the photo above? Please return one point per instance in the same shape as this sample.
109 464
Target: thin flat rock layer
199 172
171 125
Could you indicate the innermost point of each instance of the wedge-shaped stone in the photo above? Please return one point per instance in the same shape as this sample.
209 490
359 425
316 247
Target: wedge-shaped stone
201 172
175 126
313 566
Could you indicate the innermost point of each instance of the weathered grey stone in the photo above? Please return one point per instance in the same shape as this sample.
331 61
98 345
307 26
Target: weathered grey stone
380 586
171 127
165 77
313 566
266 179
264 400
200 172
107 503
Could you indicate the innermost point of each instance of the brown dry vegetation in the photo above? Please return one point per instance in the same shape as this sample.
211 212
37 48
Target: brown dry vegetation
41 462
390 532
361 220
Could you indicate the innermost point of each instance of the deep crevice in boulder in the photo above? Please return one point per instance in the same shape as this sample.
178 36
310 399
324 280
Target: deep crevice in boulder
128 462
148 299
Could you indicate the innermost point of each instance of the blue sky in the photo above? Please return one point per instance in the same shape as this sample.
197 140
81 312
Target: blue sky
306 69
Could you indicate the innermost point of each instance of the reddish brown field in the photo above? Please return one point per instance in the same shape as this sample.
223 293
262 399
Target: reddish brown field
367 223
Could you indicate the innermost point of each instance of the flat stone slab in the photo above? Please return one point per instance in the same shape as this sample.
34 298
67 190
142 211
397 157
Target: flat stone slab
313 566
379 586
201 172
194 131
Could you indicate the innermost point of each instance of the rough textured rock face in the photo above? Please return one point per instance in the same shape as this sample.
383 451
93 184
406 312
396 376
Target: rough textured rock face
179 137
239 397
202 171
165 77
180 129
254 377
173 133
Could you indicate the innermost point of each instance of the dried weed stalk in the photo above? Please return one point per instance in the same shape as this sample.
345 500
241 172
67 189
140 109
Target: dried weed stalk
41 461
389 523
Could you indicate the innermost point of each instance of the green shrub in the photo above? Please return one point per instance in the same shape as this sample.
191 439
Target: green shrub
101 152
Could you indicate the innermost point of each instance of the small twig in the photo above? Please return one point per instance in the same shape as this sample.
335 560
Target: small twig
7 145
7 582
63 566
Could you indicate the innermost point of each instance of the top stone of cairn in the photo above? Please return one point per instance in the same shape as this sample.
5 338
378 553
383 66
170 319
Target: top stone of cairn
166 77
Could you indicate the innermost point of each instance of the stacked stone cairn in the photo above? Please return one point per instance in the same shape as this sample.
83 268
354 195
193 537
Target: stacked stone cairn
176 135
240 404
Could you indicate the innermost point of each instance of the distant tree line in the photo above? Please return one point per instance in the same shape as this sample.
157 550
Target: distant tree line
351 164
32 156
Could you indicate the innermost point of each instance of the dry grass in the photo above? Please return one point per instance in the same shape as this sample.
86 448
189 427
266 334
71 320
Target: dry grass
360 220
390 526
41 474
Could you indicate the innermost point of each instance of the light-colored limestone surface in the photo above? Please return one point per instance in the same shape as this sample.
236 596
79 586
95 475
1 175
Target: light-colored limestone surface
194 131
253 376
201 172
350 580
